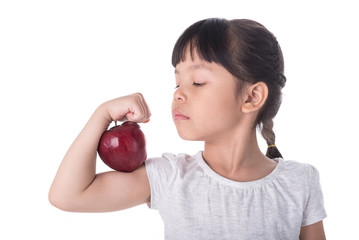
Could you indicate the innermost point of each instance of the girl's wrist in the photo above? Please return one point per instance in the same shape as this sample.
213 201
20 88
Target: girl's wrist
102 115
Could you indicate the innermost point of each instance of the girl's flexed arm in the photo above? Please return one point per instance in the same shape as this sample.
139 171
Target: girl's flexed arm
76 186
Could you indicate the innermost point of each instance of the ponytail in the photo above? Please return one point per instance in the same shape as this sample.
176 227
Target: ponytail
267 132
273 152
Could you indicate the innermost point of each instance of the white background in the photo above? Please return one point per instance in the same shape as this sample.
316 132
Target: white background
60 59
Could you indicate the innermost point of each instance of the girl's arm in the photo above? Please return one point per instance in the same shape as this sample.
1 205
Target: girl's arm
313 232
76 186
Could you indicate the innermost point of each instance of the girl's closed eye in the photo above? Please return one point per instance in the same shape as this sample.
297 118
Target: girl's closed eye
198 84
194 84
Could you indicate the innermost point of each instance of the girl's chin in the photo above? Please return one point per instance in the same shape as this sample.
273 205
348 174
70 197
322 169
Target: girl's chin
189 133
189 136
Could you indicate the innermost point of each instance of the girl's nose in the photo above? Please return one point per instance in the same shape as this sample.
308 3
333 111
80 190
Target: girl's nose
179 95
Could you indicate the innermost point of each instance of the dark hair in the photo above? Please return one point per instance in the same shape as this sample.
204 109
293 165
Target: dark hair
249 52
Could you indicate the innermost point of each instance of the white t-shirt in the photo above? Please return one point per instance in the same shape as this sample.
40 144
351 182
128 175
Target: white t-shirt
197 203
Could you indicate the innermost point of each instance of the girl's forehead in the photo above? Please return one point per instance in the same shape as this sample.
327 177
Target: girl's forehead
191 65
193 62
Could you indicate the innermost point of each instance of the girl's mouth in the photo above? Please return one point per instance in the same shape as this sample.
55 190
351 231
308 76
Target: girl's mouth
177 115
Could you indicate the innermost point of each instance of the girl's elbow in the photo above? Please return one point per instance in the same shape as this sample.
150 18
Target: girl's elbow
61 202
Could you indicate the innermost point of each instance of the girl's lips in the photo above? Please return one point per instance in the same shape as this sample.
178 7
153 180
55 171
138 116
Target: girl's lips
177 115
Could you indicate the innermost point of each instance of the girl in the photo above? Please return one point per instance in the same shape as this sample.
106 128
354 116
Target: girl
229 76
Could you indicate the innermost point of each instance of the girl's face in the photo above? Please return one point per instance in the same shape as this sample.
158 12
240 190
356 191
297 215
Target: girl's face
205 104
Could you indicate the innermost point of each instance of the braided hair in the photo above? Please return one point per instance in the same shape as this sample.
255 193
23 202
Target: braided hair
249 52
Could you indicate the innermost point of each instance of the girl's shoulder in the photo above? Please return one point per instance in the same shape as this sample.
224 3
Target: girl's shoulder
300 176
292 167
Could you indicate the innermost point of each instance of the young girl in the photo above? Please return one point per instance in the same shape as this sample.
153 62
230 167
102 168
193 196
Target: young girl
229 76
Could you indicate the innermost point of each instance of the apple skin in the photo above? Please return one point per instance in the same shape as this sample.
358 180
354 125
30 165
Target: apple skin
123 147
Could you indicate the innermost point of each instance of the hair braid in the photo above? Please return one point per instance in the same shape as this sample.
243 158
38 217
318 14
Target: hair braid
267 132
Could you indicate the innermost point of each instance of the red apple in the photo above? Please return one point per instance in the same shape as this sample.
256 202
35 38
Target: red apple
123 148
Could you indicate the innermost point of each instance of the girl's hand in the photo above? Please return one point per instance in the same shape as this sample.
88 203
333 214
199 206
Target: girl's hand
132 107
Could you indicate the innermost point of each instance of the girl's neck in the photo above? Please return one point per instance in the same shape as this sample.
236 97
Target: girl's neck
238 157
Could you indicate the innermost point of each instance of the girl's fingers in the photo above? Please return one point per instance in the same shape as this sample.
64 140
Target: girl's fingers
138 110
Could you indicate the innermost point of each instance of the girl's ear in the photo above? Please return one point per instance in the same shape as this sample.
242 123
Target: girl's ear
255 97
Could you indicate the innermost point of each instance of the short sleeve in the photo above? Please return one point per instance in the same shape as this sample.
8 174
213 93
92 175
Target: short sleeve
159 172
314 210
